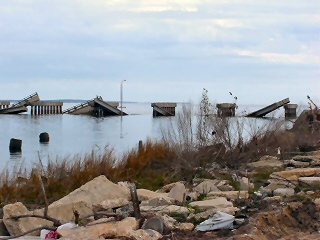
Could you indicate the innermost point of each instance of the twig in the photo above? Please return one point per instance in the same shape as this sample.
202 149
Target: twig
56 222
45 213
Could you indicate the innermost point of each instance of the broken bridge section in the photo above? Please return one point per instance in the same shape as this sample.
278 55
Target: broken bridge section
268 109
20 106
164 109
96 107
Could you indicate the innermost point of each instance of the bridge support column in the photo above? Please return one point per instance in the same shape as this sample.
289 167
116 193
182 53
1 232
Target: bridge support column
226 109
290 111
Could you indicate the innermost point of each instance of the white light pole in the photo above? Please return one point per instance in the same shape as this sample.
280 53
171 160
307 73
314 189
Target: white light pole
121 95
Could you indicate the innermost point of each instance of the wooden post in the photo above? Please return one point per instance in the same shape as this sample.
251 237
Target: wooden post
135 201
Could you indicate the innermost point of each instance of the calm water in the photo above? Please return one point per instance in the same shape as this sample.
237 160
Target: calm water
76 134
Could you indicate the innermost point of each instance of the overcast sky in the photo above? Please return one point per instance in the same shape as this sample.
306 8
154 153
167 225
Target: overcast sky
261 51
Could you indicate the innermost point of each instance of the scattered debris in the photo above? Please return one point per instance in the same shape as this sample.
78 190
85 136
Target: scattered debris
220 220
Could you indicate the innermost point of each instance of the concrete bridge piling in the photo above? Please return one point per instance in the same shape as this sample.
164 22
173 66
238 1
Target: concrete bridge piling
226 109
290 111
4 104
45 107
164 109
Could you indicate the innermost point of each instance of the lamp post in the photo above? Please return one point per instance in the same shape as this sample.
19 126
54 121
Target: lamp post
121 95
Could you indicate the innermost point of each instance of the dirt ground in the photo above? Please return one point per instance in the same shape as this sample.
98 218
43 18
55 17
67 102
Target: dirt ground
295 220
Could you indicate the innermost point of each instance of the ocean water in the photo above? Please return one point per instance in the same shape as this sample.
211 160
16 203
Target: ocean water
79 134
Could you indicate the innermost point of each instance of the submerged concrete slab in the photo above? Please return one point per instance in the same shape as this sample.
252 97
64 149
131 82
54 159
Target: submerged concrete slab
264 111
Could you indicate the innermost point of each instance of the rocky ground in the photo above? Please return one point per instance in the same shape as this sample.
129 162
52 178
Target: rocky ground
283 204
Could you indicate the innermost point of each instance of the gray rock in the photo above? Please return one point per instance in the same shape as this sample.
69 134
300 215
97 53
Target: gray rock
284 192
154 224
178 192
310 181
207 186
219 202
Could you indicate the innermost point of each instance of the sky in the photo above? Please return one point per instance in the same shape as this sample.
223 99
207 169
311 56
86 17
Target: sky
167 51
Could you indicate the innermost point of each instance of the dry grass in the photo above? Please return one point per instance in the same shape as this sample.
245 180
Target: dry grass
155 163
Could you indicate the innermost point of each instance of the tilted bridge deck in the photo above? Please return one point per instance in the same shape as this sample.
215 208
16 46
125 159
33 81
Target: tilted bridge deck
264 111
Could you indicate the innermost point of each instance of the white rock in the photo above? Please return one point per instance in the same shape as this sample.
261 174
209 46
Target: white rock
178 192
220 202
284 192
207 186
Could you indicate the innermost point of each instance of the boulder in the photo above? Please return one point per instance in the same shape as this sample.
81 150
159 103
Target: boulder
310 181
94 193
126 227
220 202
144 195
207 186
21 225
168 187
141 234
284 192
296 164
245 184
169 210
178 192
155 202
266 162
279 184
112 203
230 195
155 224
192 196
168 222
295 174
185 226
305 158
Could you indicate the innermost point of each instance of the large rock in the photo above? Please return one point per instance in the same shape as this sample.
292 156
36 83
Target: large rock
178 192
284 192
168 187
207 186
218 203
155 202
144 195
311 181
99 191
295 174
169 210
21 225
266 162
305 158
296 164
245 184
230 195
126 227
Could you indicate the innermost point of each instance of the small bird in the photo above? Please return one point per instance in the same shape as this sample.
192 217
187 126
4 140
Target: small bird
308 96
235 98
230 93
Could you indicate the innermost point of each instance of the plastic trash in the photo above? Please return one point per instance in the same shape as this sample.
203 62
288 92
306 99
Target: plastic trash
220 220
48 234
51 235
67 226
